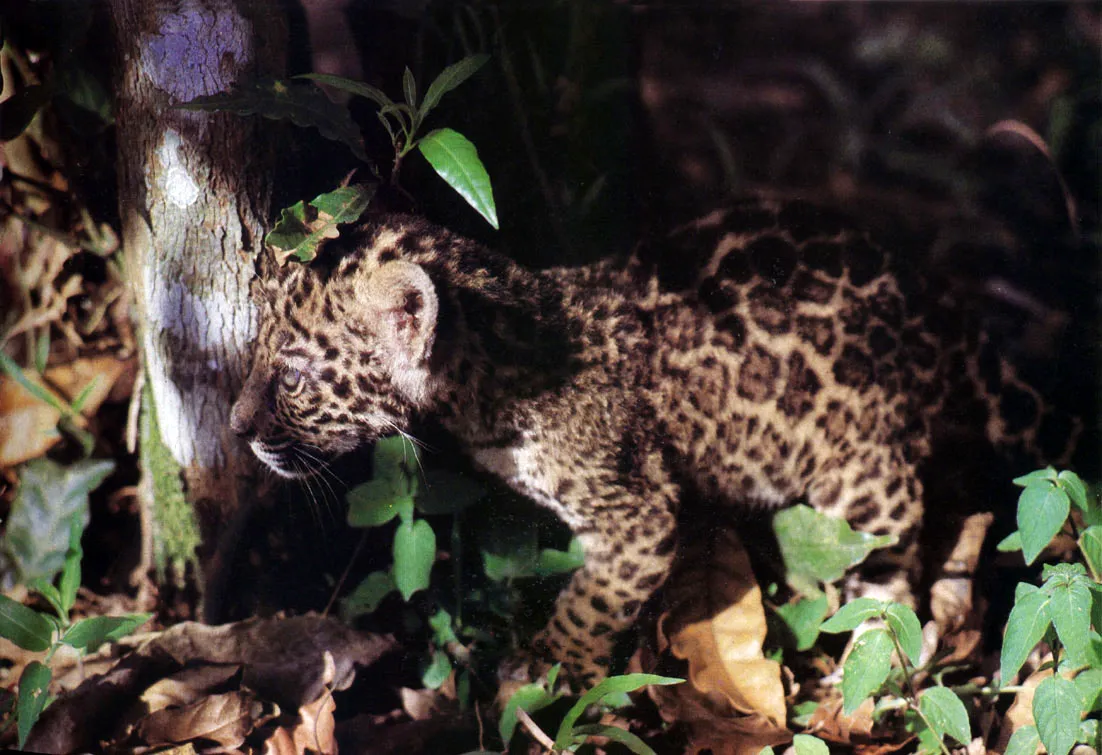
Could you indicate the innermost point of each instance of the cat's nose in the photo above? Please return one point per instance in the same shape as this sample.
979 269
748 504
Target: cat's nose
242 422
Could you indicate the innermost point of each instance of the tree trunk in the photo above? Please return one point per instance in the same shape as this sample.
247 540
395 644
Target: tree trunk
194 193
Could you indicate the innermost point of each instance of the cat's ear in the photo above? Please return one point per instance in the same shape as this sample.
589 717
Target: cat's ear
403 305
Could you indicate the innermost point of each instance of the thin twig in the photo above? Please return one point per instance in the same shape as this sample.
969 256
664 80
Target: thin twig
536 732
344 576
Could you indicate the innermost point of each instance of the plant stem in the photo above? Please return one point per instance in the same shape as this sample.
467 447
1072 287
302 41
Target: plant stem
537 733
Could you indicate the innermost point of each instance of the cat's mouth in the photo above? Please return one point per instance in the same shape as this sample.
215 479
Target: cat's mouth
288 458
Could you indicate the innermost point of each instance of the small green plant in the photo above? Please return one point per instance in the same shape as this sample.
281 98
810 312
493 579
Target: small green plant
397 492
46 633
1065 613
449 153
571 735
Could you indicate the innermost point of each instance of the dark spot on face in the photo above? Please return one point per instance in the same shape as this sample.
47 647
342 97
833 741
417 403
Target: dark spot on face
893 487
758 375
599 604
631 607
600 628
861 511
650 581
387 255
854 368
331 354
342 388
772 258
575 619
627 571
328 375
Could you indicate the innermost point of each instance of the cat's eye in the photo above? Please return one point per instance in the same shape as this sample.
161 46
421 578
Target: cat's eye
290 378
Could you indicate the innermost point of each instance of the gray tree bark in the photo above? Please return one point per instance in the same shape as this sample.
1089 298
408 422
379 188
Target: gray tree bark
194 193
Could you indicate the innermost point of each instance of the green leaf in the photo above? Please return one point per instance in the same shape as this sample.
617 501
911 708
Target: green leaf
530 698
456 160
1088 732
805 744
1042 510
1089 684
303 228
443 633
50 497
351 86
25 627
551 561
303 104
391 491
853 614
1024 741
88 634
414 554
82 397
449 79
17 112
16 373
1029 619
804 619
1090 544
1056 710
52 596
510 550
70 571
1010 543
34 685
908 630
866 668
437 671
946 714
819 548
624 683
1069 608
1074 486
1048 474
409 89
616 734
767 750
368 595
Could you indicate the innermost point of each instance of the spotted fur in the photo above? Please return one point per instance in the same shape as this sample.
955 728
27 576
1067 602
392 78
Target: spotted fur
765 354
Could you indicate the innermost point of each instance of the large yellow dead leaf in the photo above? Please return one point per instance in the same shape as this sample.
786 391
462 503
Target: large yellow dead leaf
28 425
717 623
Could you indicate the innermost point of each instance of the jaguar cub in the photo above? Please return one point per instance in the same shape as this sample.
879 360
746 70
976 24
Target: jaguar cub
764 354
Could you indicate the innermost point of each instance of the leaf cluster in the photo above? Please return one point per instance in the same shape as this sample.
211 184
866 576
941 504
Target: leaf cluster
46 632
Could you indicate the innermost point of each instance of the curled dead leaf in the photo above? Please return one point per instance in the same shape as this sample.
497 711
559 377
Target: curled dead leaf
314 732
717 624
226 719
714 726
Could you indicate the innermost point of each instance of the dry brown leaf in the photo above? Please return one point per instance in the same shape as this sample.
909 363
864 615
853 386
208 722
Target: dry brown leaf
28 425
952 601
187 686
717 624
226 719
829 723
713 724
1020 712
314 732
